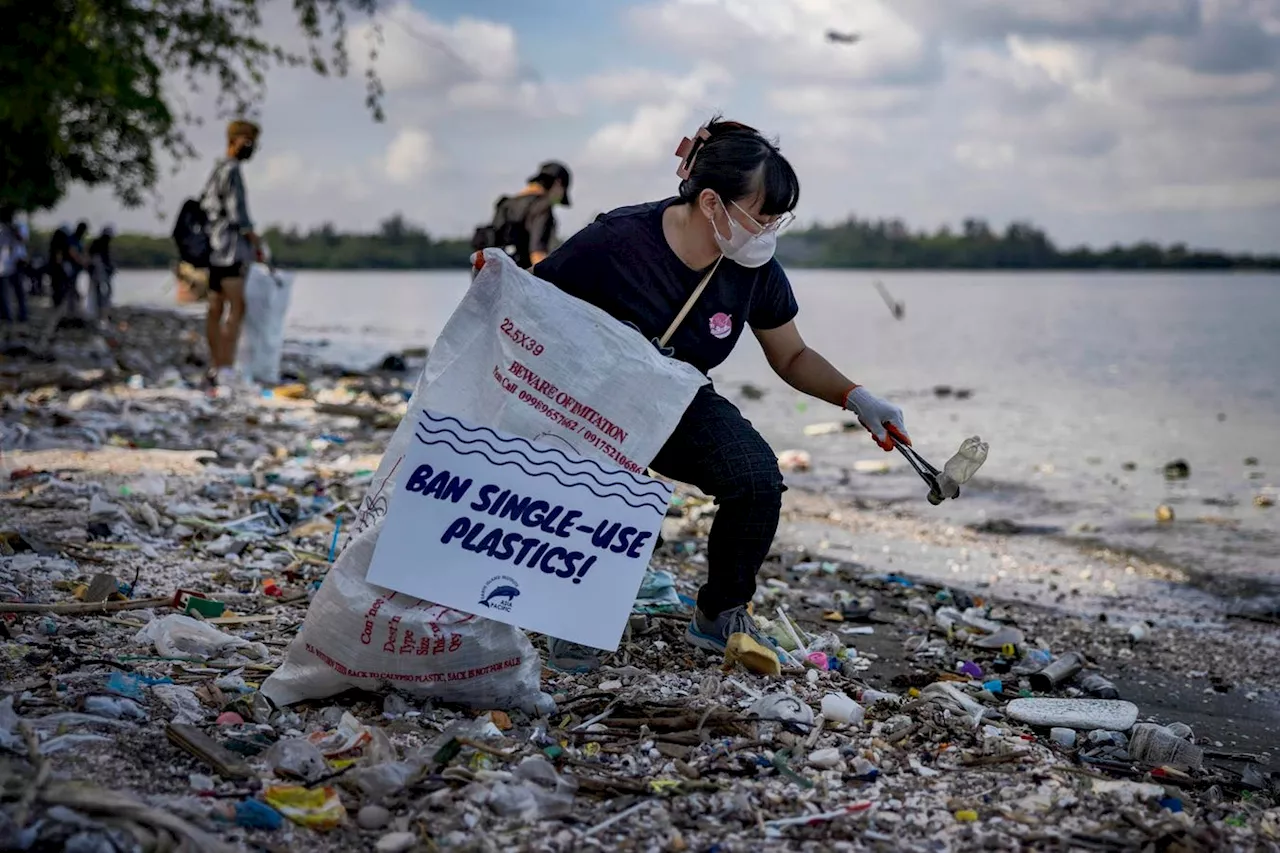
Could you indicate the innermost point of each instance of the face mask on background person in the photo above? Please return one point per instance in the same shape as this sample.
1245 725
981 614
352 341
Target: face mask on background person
741 246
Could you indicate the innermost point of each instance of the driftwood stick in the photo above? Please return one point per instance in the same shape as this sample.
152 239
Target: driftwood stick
84 606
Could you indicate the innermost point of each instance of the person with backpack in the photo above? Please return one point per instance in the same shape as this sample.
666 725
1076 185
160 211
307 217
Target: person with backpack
692 273
232 246
523 224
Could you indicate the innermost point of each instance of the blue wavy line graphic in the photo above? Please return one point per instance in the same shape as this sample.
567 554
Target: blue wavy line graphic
659 509
532 446
657 491
453 441
550 462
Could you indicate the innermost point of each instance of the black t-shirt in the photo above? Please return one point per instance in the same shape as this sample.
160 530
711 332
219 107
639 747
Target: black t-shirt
529 226
622 264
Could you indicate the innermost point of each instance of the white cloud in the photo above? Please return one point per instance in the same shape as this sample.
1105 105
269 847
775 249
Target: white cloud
645 139
418 54
631 85
1246 195
985 157
409 156
284 171
1099 119
788 38
666 115
429 68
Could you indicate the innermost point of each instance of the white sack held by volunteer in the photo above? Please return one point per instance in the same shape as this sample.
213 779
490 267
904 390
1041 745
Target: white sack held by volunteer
640 264
510 340
266 302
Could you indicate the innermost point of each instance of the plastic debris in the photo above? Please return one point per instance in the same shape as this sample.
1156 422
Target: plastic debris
297 758
658 749
1063 736
839 708
782 707
743 648
253 814
1109 714
180 636
1157 745
318 808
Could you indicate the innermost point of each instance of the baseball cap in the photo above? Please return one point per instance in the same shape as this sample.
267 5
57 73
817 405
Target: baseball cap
558 171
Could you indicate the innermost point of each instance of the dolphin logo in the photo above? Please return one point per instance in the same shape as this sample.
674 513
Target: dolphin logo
507 592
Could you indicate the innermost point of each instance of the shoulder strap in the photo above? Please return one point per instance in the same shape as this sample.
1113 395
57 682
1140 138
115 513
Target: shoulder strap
688 305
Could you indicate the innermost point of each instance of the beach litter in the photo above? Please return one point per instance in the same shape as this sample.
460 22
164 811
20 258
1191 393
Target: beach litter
136 715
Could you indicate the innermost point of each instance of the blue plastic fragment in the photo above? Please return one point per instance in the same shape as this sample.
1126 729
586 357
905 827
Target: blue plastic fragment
124 684
253 814
1173 804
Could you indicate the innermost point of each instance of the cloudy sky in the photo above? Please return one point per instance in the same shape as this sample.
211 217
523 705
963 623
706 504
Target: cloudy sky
1101 120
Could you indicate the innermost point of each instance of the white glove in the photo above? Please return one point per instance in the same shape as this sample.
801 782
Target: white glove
881 418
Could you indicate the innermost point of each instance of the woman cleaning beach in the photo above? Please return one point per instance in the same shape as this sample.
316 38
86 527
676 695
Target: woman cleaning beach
716 238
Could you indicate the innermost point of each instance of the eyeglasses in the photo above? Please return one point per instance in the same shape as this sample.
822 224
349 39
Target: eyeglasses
776 225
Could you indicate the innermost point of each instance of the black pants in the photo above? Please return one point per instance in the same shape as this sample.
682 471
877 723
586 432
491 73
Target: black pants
718 450
13 284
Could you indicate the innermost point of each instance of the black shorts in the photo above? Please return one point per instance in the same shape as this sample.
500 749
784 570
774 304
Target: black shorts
219 274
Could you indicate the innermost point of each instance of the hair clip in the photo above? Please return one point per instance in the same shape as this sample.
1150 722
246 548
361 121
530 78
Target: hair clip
688 151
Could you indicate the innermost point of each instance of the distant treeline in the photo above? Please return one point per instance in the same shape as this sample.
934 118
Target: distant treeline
866 244
889 244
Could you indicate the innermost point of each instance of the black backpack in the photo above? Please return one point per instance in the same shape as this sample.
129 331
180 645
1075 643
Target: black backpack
191 231
191 234
497 234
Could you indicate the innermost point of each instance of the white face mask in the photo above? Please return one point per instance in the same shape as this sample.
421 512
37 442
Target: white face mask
742 247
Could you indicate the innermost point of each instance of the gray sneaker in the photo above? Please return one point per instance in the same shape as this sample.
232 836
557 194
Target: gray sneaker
713 634
564 656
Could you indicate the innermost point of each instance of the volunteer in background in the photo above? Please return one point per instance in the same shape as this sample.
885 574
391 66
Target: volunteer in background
523 224
101 270
12 244
58 264
641 264
77 262
234 246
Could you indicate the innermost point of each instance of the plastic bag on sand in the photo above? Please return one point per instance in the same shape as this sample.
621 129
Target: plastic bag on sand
266 301
510 333
179 636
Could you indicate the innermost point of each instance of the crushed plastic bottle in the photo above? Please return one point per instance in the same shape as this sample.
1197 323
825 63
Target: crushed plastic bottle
297 758
114 707
1157 745
960 469
1098 686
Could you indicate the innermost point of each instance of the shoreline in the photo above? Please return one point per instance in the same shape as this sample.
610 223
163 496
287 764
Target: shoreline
1195 666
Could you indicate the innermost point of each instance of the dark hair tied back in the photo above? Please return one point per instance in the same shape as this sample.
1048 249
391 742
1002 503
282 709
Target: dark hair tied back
737 162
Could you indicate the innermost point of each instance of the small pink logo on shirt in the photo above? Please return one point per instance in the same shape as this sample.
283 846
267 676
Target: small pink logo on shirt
721 325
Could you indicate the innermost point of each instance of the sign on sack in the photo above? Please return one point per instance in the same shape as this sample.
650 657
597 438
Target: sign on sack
518 532
527 360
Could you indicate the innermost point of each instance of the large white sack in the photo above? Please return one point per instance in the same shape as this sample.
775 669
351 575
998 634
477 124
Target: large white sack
515 349
266 301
